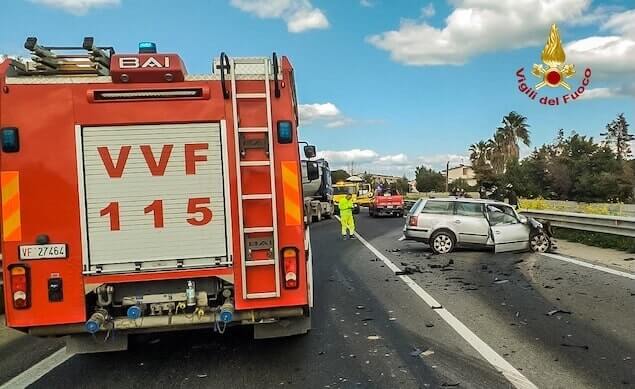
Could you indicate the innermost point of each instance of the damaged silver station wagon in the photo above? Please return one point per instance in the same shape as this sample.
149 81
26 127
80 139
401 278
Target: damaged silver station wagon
447 223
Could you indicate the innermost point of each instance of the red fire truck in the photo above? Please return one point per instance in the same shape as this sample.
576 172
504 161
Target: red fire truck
138 198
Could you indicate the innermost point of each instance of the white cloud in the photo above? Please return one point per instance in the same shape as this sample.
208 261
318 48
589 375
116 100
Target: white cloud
77 7
313 112
300 15
366 160
366 3
625 90
622 23
475 27
428 11
328 115
608 55
599 93
354 155
397 159
439 161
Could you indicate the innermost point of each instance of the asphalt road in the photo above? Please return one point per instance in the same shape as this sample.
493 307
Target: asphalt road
372 330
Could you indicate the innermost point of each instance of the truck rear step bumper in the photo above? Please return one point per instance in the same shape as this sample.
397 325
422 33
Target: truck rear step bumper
171 323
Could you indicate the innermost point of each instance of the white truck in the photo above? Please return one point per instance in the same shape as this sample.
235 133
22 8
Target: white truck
318 194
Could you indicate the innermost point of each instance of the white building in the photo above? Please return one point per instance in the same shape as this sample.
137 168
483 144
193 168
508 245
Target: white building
462 171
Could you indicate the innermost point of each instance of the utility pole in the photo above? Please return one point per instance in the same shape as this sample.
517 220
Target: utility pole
447 177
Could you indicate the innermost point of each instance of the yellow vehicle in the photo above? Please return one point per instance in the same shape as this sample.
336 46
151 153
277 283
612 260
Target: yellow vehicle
364 194
361 191
340 190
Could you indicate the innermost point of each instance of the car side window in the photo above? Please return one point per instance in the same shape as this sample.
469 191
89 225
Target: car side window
415 207
439 207
469 209
501 214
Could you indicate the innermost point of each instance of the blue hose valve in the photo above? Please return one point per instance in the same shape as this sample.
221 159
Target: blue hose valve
226 316
92 326
134 312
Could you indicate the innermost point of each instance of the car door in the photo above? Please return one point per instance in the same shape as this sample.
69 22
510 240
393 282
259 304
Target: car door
508 233
470 222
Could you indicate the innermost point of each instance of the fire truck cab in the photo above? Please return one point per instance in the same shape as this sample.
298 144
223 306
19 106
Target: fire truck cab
139 198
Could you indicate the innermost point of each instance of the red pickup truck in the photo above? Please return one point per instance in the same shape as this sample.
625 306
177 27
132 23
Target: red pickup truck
387 203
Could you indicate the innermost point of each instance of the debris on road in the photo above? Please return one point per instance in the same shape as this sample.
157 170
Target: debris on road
497 281
154 341
201 375
629 259
519 261
555 311
373 337
415 353
448 385
427 353
367 319
360 307
483 267
434 266
582 346
557 278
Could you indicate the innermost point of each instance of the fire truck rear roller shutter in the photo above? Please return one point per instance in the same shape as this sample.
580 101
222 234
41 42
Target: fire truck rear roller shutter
140 194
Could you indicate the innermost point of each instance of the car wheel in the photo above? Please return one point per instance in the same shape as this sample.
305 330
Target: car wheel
442 242
540 243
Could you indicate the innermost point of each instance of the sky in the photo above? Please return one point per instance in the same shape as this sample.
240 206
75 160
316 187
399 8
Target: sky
386 84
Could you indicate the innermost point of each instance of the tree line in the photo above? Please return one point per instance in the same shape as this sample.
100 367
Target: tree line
572 167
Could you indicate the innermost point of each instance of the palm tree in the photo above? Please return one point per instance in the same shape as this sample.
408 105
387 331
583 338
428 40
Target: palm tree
513 130
478 152
498 153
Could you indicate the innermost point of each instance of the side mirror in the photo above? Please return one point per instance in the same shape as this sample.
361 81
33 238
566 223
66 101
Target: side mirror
523 219
312 170
309 151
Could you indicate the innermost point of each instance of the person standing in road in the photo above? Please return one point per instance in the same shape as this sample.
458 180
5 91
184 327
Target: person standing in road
346 217
511 196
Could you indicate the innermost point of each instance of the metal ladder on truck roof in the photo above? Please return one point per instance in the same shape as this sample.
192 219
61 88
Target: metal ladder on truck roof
263 66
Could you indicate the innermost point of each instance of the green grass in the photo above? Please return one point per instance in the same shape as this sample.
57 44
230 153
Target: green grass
596 239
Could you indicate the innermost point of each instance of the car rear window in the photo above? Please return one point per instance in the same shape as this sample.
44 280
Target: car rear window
469 209
438 207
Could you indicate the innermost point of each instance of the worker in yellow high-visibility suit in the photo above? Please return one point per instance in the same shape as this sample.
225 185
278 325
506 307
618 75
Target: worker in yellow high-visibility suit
346 216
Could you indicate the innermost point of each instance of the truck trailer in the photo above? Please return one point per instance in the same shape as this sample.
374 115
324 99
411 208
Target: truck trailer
139 198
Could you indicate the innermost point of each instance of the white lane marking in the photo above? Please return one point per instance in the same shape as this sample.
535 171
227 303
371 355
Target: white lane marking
590 265
38 370
499 363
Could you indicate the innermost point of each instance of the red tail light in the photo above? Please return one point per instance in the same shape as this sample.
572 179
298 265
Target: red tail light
290 267
20 286
413 220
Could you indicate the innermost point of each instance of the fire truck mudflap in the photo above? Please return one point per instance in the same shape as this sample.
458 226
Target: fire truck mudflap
143 199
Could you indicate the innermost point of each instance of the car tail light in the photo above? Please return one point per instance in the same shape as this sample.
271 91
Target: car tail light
413 220
20 286
290 267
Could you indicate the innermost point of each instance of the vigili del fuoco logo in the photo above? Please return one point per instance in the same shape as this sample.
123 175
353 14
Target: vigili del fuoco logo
553 72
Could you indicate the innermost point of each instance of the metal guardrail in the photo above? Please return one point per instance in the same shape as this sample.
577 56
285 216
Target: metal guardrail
615 225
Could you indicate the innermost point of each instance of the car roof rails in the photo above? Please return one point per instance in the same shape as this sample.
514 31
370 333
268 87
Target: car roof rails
48 60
